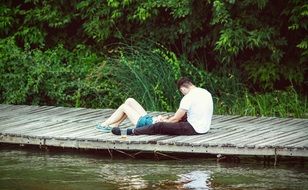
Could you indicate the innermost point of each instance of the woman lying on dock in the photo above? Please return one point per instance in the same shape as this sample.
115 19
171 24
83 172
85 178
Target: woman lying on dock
197 104
132 110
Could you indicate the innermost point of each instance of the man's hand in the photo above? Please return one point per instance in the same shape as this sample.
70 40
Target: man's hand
161 118
177 116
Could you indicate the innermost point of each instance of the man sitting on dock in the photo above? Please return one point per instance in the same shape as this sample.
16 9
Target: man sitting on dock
197 104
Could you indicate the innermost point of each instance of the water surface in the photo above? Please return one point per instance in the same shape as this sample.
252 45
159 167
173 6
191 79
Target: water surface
34 169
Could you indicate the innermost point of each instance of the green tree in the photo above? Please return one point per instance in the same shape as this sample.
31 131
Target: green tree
262 43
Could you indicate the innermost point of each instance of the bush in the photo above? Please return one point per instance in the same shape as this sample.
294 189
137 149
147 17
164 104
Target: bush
147 72
52 77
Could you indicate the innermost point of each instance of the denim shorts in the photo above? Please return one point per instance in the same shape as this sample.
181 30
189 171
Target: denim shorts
144 121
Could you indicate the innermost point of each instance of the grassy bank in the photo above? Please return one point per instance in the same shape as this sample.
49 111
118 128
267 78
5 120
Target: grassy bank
81 78
286 103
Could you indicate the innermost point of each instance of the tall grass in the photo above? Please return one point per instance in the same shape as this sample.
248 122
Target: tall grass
149 74
286 103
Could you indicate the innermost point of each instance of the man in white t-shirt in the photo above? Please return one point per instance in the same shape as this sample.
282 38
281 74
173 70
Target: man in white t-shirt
197 105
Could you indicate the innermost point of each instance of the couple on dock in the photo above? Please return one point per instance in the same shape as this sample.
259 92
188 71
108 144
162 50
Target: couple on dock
192 117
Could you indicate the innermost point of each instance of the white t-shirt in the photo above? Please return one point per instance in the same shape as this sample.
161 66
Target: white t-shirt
199 106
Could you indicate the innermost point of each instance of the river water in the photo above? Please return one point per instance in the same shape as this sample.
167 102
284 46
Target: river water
42 170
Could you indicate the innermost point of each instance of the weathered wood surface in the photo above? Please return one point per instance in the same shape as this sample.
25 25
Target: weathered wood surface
75 128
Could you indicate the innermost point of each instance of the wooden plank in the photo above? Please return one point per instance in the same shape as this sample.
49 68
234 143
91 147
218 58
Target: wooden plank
300 144
281 121
24 128
48 126
248 138
14 110
250 143
94 117
88 133
16 124
71 113
284 138
290 142
11 121
240 135
292 128
298 129
263 138
173 139
53 111
4 106
267 121
213 136
247 121
91 114
145 139
289 125
39 110
60 112
196 140
226 141
46 113
239 120
270 138
228 118
60 130
18 121
4 118
247 127
8 109
224 126
66 133
187 140
216 117
15 130
83 132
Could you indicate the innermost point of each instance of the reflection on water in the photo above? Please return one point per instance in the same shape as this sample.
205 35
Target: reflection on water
20 169
196 180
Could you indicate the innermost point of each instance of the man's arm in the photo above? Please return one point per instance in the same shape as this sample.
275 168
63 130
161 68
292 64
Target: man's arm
177 116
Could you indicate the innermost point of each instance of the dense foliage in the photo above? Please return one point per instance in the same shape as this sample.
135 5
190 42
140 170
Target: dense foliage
247 53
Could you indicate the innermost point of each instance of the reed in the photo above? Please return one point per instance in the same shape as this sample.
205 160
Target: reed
287 103
149 74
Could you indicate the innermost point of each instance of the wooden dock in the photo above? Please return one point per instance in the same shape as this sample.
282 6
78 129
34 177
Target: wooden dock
75 128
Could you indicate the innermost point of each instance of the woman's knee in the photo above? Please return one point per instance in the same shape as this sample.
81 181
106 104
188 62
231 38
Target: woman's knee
129 101
125 108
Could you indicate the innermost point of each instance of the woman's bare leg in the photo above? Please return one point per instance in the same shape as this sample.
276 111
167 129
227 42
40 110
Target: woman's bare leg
131 109
136 106
120 121
118 115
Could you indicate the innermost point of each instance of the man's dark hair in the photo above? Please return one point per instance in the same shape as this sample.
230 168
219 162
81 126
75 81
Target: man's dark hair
184 81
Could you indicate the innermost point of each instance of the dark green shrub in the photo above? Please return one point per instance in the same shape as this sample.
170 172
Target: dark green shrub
52 77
